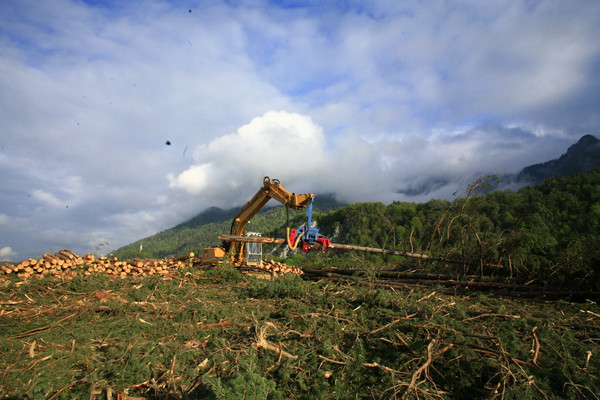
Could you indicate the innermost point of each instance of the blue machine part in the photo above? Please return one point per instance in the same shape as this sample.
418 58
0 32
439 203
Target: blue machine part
310 235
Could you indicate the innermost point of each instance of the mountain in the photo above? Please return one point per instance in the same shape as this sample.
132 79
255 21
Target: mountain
209 216
582 157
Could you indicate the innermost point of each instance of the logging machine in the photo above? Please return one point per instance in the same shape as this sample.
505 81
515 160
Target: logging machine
305 237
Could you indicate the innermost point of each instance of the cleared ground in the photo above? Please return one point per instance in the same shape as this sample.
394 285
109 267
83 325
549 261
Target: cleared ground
217 334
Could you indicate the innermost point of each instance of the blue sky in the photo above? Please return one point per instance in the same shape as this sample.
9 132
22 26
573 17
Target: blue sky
369 100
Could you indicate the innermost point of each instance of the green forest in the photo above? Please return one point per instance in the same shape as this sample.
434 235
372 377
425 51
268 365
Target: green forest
548 233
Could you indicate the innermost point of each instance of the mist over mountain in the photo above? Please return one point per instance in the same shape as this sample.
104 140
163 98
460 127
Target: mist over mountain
582 157
424 187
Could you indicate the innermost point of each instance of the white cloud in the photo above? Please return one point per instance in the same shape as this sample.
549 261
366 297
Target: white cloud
424 65
195 179
46 198
12 224
4 219
284 145
6 253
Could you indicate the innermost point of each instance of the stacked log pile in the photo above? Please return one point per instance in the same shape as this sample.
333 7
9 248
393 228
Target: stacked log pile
67 264
277 268
112 266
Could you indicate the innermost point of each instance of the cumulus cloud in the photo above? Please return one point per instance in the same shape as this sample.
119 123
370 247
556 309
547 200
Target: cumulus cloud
285 145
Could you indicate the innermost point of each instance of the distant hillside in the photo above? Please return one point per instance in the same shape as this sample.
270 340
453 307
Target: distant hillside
204 229
582 157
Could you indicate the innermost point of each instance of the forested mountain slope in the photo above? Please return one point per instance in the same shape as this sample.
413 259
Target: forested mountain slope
548 233
582 157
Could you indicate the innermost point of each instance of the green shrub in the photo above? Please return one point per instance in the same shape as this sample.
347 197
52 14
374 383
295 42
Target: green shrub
224 273
84 284
249 383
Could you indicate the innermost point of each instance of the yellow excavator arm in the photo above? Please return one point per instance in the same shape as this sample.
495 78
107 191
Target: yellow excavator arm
271 189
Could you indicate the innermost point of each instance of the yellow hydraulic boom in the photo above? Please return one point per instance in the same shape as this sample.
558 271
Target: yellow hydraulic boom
271 189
